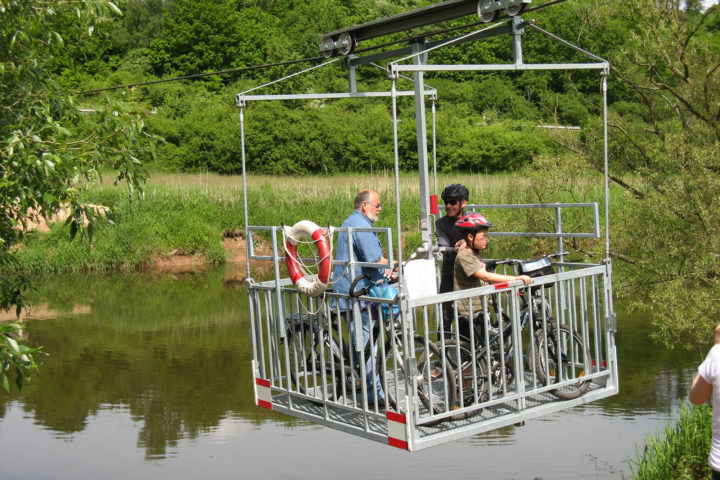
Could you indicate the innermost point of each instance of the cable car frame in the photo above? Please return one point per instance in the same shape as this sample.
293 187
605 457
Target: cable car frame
524 362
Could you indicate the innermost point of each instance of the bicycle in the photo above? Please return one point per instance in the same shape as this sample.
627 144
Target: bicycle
556 352
322 363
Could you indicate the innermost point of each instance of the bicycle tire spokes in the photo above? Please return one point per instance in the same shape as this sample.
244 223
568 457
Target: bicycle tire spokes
317 360
470 376
563 358
434 378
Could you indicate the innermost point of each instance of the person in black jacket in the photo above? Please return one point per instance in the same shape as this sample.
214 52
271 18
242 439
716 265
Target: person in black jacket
455 197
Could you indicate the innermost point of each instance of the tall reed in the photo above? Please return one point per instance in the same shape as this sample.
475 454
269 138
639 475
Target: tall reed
190 214
681 451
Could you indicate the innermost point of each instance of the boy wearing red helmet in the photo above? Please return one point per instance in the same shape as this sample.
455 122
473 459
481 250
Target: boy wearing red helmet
470 269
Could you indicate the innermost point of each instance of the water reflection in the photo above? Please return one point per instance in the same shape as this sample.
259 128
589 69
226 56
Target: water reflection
160 365
172 351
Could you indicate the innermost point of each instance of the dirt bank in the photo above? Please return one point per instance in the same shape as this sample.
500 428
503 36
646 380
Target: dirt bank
177 262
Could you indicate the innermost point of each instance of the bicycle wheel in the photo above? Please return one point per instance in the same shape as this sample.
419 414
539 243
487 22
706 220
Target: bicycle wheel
471 381
316 368
435 384
562 357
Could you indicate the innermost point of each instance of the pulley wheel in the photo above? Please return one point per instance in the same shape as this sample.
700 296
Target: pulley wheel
346 43
516 9
327 47
487 10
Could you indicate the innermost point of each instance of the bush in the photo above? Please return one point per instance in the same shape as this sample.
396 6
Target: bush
486 148
681 452
191 221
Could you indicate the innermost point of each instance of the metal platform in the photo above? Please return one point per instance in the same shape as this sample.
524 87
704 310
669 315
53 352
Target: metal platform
304 366
374 425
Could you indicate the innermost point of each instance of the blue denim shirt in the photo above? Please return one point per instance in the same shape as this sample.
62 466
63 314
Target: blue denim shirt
366 248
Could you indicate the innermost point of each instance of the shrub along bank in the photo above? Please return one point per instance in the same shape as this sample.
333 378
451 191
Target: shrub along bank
191 214
681 451
188 220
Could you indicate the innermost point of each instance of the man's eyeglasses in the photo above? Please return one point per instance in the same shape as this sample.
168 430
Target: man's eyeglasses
376 205
451 201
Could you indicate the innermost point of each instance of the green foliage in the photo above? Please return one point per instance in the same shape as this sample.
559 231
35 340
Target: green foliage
16 359
671 214
487 147
664 144
328 137
142 22
681 452
209 35
48 150
165 221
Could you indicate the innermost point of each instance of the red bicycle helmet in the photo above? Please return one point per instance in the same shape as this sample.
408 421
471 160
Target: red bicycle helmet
473 222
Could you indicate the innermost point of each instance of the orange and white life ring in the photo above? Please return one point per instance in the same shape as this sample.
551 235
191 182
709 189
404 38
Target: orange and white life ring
310 285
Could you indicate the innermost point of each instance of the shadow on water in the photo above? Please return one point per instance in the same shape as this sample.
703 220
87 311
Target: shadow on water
173 354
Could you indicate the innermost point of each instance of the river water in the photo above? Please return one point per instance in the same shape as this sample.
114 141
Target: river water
148 376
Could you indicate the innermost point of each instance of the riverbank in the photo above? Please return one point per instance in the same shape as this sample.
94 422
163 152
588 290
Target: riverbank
681 450
185 221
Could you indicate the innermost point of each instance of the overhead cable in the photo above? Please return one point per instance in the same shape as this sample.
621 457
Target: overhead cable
301 60
205 74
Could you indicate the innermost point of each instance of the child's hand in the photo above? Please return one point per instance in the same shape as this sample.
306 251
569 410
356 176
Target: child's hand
717 335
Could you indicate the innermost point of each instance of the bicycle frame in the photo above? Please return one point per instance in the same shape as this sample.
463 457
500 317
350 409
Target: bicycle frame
501 338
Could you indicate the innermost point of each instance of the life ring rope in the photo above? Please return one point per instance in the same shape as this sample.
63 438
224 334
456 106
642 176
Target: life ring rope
300 272
305 266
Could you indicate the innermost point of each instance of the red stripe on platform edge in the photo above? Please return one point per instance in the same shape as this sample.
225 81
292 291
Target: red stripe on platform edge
396 417
264 404
394 442
498 286
262 382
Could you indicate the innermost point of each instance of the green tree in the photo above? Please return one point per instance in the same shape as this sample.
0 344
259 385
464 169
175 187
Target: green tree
672 62
48 150
665 156
207 35
142 22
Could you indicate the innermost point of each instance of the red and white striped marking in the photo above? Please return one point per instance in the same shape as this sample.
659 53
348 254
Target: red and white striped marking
397 430
603 364
263 395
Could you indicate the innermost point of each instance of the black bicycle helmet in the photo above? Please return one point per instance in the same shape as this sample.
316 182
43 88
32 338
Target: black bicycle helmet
473 222
455 190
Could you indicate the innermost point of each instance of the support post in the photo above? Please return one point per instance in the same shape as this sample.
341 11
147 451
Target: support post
517 32
248 239
352 73
606 165
421 128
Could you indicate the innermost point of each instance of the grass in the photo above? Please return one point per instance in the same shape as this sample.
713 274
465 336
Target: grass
681 451
191 213
168 220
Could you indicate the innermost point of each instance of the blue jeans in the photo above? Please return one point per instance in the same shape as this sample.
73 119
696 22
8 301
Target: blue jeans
374 387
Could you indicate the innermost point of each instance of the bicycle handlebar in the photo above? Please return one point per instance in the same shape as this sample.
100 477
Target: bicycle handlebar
489 265
516 261
366 290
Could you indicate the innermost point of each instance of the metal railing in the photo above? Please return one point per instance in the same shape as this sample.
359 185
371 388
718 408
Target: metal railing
531 351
